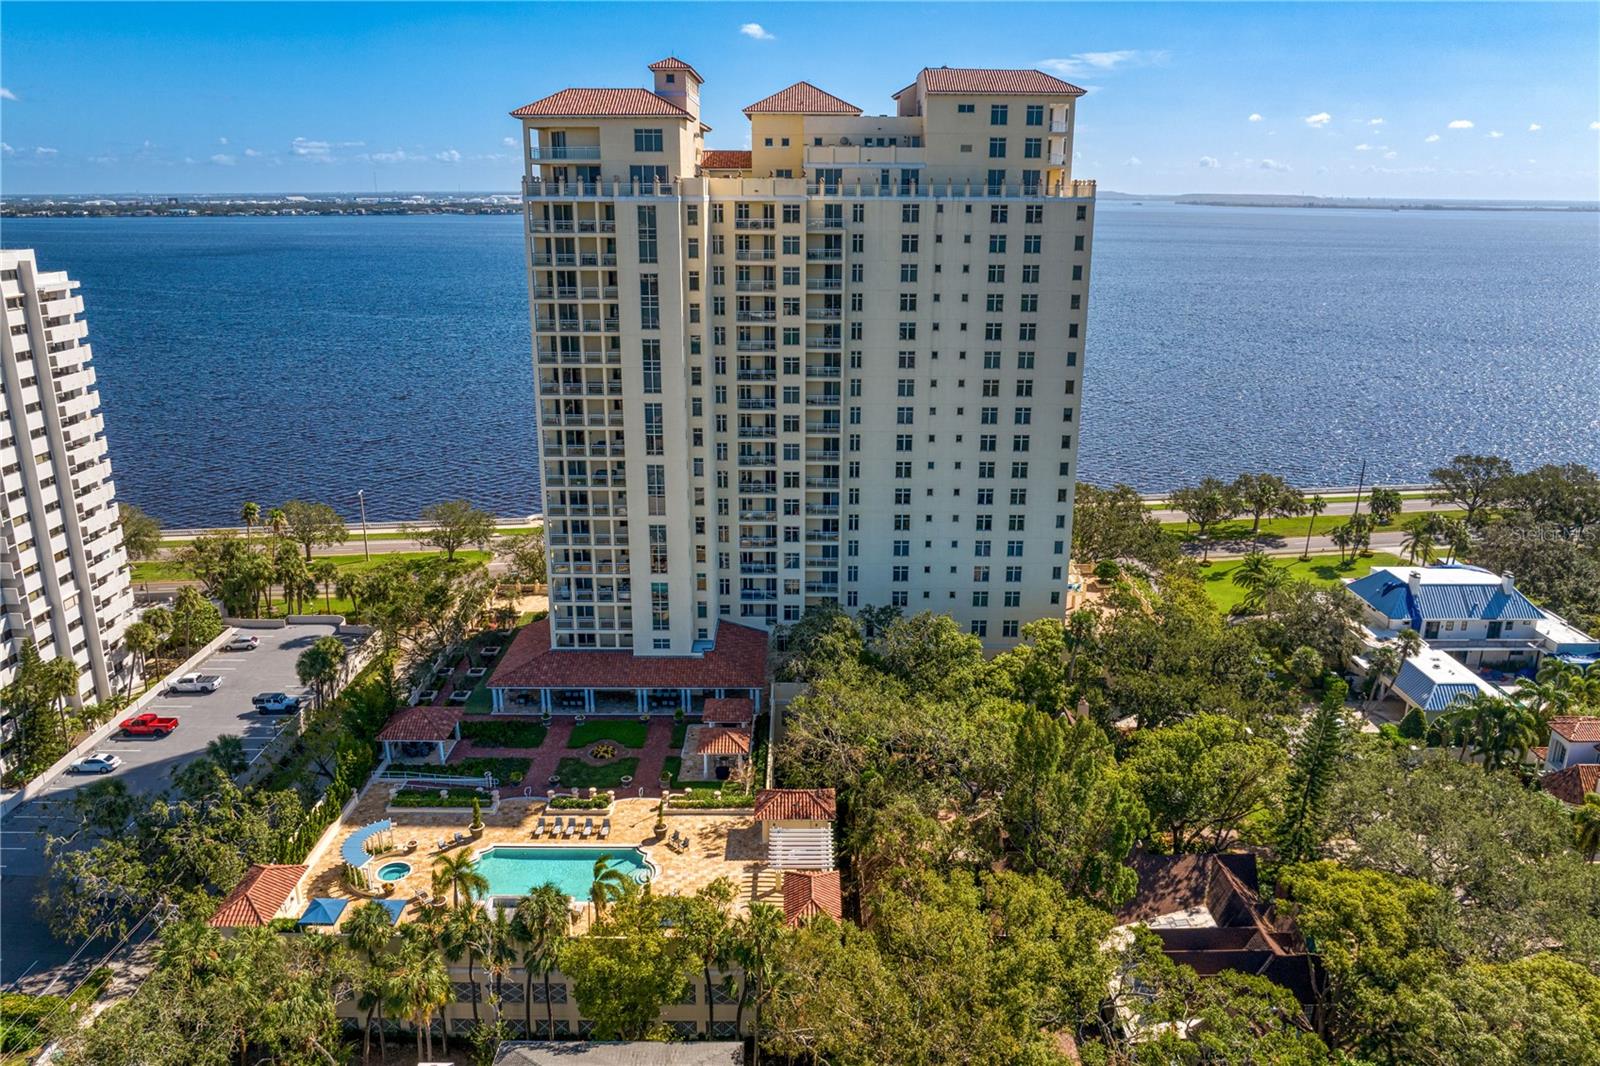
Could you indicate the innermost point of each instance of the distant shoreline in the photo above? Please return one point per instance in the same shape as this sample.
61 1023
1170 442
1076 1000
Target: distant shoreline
270 205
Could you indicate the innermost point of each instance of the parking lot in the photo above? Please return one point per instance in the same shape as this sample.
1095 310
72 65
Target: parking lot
147 766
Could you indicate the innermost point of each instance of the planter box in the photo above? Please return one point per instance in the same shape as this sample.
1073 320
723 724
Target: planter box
427 696
477 671
459 696
491 651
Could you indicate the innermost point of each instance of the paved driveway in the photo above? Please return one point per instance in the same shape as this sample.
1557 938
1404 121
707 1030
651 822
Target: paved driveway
147 769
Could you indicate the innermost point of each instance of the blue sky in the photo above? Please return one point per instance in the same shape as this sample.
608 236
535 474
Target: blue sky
1470 100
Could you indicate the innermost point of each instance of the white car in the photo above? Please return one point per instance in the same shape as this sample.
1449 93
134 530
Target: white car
196 683
101 762
242 642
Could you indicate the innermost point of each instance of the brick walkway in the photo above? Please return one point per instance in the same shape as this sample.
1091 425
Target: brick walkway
544 759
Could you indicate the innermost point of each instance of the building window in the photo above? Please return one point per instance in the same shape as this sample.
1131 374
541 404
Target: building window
966 109
997 114
1035 115
651 365
654 438
647 235
658 549
647 140
660 615
997 147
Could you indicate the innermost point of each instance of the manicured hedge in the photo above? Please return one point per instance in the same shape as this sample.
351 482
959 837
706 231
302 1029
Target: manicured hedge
498 733
459 796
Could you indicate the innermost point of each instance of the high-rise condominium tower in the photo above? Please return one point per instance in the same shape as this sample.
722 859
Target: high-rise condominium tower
64 578
841 366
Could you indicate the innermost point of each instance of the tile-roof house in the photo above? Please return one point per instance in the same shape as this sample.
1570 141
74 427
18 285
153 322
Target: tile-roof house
1574 739
808 893
267 892
802 98
1571 785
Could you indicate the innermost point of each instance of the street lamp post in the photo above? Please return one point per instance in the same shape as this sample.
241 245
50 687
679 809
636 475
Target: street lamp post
366 545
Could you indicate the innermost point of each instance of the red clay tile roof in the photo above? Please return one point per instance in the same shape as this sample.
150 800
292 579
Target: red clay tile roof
600 103
1580 729
794 805
724 159
674 63
807 893
802 98
258 898
738 661
728 711
1573 783
422 723
715 740
982 82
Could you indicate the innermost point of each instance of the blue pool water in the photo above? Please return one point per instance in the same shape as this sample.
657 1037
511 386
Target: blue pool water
393 871
513 870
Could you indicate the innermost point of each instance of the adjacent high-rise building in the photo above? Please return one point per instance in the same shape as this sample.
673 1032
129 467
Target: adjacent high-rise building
64 577
842 365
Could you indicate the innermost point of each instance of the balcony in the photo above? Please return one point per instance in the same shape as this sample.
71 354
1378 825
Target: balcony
824 314
755 223
824 399
822 536
826 429
1058 125
755 255
823 371
755 316
758 568
757 374
825 223
824 284
822 455
757 346
825 255
766 403
758 542
854 155
824 344
822 482
822 588
757 488
756 285
825 510
758 432
765 516
753 459
577 151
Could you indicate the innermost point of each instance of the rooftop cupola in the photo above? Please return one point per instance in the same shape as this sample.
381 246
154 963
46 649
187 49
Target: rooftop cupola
678 83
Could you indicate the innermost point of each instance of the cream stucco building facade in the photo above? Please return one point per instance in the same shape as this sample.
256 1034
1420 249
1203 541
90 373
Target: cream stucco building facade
843 365
64 577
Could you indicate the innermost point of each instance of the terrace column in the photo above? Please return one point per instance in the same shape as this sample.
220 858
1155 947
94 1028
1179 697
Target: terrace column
544 700
588 700
683 694
640 699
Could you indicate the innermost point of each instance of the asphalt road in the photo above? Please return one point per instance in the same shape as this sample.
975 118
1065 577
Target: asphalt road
25 945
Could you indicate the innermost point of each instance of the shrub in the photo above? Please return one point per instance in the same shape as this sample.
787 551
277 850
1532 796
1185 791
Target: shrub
504 734
1414 726
463 796
477 814
1107 570
579 803
507 770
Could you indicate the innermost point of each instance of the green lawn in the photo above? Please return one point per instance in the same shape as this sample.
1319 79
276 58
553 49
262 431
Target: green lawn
1290 528
503 733
671 765
1324 569
575 773
623 731
1349 497
172 570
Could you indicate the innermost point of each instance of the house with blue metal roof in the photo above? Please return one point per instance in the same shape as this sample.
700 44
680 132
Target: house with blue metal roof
1434 682
1480 618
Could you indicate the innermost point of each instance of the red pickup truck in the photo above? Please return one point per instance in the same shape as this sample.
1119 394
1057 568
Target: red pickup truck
148 725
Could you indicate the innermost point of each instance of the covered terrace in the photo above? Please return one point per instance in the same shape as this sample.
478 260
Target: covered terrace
421 732
533 676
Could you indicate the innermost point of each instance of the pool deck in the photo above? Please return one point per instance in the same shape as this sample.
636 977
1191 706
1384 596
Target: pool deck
722 845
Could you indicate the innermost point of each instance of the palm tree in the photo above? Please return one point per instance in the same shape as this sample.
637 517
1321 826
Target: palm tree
325 572
540 923
278 522
1385 661
227 751
466 935
1251 570
457 873
498 953
1419 541
57 684
1315 506
1586 826
704 923
1409 642
369 930
422 984
142 641
1513 729
250 515
756 938
611 883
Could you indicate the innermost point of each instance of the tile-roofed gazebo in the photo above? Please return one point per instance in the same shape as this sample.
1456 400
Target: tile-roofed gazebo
674 63
795 805
990 82
733 711
730 747
600 103
439 726
724 159
586 681
260 897
802 98
808 893
1572 784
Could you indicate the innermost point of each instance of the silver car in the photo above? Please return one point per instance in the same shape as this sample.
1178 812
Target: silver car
101 762
242 642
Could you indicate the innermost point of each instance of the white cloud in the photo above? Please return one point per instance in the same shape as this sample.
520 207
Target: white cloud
1363 147
756 32
222 140
1460 124
1430 138
1133 161
6 149
1391 155
508 142
1273 164
1255 116
1496 134
1208 162
45 153
1081 63
449 155
1594 125
1534 127
316 151
251 153
7 94
1319 120
222 159
1374 121
397 156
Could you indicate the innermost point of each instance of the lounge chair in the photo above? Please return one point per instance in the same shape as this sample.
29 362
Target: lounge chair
605 828
461 838
555 830
538 830
572 825
588 828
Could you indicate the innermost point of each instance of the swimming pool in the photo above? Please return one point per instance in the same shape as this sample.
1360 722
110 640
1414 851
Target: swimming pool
393 871
514 869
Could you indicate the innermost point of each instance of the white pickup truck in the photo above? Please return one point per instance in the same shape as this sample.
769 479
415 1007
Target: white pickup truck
196 683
